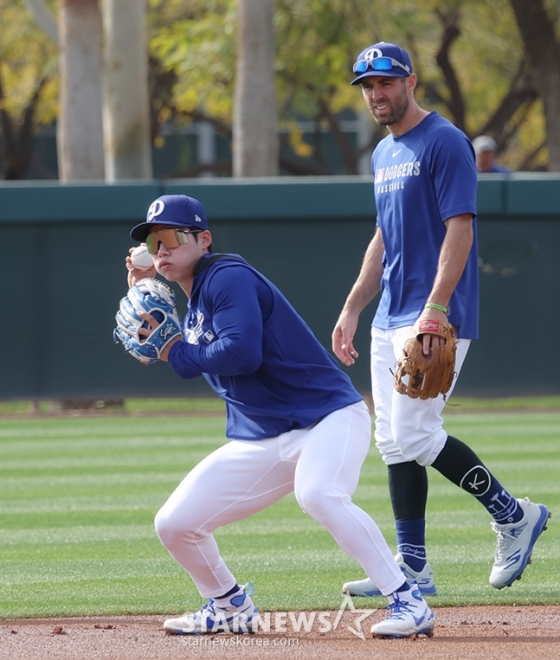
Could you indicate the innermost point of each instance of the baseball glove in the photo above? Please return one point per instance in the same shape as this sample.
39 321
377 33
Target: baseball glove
428 375
156 298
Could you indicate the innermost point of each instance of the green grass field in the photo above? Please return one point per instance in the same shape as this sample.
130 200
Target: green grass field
78 496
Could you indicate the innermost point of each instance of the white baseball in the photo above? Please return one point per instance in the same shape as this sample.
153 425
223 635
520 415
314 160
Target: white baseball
141 259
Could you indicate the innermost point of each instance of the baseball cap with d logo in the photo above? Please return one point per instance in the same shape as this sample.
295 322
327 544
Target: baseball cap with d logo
173 210
382 59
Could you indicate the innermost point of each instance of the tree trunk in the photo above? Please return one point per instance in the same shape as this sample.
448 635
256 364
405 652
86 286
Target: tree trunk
543 49
80 128
255 133
126 115
44 17
10 152
450 21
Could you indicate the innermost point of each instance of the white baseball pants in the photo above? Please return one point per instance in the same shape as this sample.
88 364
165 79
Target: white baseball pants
321 464
405 429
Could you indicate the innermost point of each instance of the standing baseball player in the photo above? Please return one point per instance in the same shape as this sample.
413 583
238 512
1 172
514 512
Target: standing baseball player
423 259
294 420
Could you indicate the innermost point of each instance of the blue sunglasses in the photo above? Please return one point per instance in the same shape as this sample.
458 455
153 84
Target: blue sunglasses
378 64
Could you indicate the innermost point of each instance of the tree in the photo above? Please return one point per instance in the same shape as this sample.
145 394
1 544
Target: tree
28 86
192 69
18 134
472 62
537 28
255 130
80 124
44 18
467 53
126 120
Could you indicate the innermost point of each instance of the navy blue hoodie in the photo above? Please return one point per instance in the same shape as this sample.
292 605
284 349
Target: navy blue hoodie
256 352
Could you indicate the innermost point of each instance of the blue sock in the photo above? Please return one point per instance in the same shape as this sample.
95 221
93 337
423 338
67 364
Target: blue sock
502 506
229 593
405 587
458 463
411 542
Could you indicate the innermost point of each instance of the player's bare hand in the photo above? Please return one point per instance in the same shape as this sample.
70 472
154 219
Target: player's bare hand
342 337
134 274
428 340
152 322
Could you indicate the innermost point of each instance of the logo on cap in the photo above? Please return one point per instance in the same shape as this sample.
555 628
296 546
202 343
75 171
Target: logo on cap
197 218
372 54
156 208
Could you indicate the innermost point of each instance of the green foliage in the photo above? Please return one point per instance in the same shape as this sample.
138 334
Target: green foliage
78 498
197 41
316 44
27 55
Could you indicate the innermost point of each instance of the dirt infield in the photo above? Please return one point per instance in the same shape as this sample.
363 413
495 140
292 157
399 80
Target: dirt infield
492 633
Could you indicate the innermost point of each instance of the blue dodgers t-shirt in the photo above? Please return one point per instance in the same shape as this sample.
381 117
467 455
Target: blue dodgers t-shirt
422 178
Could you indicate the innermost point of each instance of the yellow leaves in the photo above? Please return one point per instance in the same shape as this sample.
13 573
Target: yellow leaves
27 56
300 147
187 98
164 115
316 44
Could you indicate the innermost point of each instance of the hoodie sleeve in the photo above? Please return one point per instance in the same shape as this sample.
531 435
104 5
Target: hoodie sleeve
231 303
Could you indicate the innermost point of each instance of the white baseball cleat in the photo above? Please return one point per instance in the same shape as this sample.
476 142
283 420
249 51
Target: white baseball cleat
515 543
237 615
424 579
410 615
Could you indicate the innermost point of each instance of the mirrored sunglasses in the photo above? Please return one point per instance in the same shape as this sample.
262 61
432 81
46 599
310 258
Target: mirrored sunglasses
378 64
169 238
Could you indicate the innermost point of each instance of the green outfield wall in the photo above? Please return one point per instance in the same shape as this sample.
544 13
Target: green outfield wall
63 275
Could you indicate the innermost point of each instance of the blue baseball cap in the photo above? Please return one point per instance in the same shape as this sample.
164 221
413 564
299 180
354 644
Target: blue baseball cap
382 59
174 210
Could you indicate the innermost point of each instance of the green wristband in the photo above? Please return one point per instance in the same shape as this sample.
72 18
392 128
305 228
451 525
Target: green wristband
441 308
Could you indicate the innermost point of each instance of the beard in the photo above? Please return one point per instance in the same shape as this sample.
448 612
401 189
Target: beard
396 111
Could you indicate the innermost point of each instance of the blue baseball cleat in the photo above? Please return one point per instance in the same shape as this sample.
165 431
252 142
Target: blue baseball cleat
515 543
238 615
410 615
424 579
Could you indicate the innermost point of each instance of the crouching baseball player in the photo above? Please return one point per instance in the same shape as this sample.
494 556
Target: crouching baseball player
294 420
